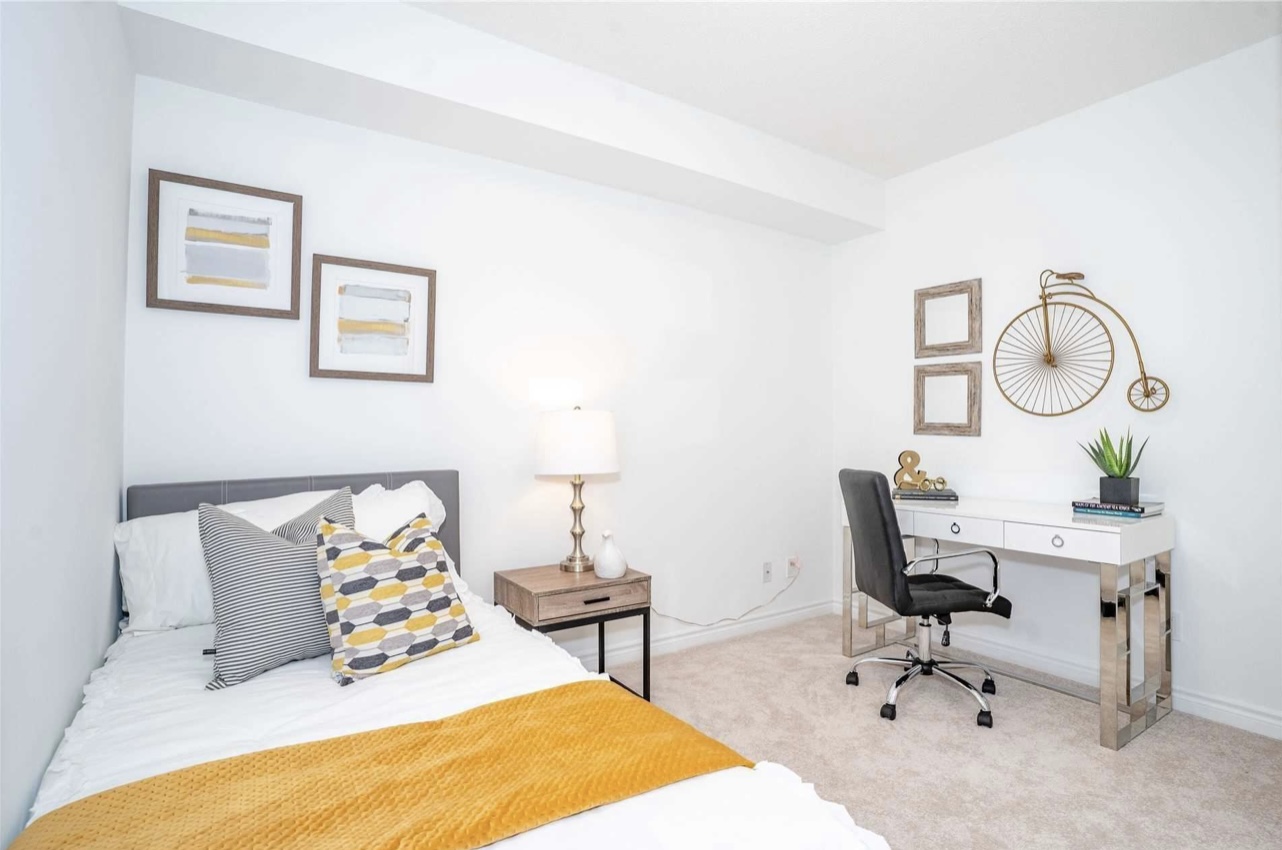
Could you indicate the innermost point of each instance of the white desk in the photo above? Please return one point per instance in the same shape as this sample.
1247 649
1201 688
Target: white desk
1121 549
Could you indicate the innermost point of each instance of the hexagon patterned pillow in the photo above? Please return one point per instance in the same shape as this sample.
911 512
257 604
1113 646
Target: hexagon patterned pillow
390 603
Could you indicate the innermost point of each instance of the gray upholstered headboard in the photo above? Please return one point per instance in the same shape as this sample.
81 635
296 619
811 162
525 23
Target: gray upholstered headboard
149 499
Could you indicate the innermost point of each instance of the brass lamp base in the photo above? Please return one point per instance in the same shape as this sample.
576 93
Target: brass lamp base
577 565
577 561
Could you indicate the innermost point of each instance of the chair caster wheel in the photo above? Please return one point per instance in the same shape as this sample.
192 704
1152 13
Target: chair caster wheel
888 712
852 678
989 686
985 719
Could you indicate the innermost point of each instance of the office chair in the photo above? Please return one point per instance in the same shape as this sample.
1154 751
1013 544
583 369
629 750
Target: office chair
883 572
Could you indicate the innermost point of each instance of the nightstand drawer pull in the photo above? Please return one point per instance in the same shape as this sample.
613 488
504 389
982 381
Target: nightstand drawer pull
1057 542
594 600
955 528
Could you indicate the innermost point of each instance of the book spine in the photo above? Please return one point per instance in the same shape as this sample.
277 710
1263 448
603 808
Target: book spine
1109 506
926 498
1102 512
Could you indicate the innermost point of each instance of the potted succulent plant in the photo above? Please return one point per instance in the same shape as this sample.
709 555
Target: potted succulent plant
1116 462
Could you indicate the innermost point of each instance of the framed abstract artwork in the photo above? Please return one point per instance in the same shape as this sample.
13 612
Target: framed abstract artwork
375 321
218 247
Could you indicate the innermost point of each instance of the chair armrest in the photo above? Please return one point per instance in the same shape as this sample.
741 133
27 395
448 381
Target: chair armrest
939 556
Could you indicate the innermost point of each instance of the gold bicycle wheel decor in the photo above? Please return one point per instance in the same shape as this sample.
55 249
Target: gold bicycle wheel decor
1057 356
1148 393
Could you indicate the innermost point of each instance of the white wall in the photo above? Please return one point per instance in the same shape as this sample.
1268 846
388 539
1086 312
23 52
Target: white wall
66 90
704 336
1169 199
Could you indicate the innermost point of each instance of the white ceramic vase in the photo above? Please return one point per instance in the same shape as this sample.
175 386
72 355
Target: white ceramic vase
609 561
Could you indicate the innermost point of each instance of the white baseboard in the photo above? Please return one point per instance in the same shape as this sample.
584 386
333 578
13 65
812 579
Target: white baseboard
1262 721
627 651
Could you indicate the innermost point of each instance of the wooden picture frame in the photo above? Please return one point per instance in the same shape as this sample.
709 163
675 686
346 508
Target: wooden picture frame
418 325
270 234
972 372
974 341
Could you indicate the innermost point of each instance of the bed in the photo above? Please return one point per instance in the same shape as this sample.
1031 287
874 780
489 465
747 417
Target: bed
146 712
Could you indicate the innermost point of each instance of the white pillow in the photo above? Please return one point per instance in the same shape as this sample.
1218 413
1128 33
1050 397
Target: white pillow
380 511
162 566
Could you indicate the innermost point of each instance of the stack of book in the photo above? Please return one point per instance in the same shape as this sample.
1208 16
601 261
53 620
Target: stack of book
1095 507
924 495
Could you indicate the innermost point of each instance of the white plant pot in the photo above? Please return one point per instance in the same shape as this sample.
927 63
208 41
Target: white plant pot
609 562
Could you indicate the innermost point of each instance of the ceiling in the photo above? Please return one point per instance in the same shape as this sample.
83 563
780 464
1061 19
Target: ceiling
886 87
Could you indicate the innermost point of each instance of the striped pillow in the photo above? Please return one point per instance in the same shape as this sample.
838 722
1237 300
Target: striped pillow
266 595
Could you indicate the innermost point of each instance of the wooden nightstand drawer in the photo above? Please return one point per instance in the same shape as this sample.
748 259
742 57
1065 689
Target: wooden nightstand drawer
540 595
592 600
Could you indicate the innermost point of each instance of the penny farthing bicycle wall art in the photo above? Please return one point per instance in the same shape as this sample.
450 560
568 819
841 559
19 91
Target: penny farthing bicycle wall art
1057 356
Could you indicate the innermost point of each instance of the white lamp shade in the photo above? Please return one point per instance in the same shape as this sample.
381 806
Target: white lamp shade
576 442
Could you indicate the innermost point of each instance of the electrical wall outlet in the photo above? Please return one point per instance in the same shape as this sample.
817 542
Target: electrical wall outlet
794 566
767 572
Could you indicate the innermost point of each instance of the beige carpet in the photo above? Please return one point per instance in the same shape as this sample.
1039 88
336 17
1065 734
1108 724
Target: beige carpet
934 779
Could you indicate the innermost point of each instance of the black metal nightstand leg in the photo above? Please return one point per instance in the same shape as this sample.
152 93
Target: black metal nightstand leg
600 647
645 655
600 620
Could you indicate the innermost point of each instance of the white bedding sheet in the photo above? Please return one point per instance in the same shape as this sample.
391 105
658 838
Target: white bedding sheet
146 712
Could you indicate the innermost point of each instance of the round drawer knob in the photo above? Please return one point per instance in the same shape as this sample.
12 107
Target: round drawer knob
1057 542
956 529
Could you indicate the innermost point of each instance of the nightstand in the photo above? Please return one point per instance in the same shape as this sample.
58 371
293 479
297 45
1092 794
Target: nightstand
548 599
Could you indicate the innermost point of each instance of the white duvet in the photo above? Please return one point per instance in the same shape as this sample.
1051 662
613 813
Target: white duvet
146 712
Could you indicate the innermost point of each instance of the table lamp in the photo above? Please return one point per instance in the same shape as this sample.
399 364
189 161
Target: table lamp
576 443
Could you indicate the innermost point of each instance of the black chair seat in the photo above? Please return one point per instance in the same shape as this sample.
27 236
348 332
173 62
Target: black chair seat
934 594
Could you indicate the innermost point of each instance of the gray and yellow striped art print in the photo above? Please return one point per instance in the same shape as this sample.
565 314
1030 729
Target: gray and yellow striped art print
373 320
224 249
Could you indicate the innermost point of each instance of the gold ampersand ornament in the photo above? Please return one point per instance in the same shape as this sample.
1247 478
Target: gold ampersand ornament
908 477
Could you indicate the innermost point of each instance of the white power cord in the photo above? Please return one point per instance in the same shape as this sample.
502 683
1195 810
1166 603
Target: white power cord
778 593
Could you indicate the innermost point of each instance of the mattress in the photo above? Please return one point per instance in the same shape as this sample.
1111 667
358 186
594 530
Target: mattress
146 712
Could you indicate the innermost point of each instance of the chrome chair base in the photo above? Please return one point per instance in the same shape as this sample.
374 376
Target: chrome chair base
920 663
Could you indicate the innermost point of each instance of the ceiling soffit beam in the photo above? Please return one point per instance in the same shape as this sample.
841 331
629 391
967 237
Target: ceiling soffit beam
472 92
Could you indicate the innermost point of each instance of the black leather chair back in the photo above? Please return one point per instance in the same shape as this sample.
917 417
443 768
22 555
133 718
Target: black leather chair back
874 530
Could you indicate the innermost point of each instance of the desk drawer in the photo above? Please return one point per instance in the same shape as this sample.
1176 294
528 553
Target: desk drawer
963 529
576 603
1076 543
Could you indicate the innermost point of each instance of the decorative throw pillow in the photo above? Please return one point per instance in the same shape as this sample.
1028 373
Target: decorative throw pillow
264 586
387 604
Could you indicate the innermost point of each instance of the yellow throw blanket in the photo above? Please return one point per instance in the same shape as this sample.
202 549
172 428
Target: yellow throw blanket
452 784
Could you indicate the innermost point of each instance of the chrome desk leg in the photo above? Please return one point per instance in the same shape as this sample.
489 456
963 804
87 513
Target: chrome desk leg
1114 640
850 597
1157 664
847 593
1126 711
